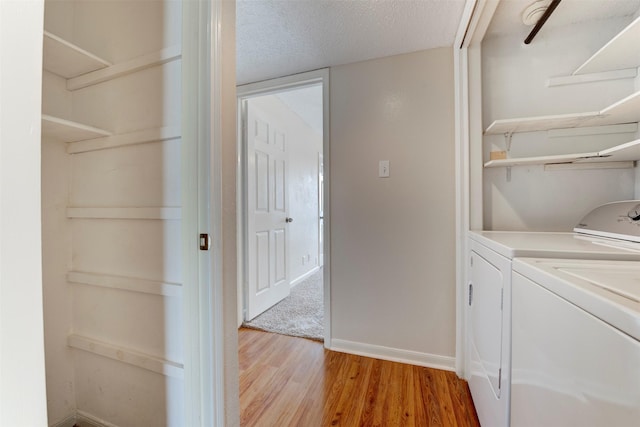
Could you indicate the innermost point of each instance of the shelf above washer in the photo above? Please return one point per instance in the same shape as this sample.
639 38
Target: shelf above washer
626 110
629 151
68 60
620 53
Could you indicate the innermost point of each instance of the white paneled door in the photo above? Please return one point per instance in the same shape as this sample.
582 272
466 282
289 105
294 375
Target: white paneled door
267 213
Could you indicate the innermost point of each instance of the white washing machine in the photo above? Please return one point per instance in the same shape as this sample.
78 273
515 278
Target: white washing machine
576 343
489 293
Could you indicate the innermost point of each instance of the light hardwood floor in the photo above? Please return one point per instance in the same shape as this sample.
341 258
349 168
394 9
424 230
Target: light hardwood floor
286 381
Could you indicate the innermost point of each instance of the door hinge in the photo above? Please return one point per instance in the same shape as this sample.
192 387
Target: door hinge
500 378
470 293
205 242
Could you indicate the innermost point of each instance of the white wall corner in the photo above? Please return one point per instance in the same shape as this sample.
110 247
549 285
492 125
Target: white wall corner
410 357
84 419
70 421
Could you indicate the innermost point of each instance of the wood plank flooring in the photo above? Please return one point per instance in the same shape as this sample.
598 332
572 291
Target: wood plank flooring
286 381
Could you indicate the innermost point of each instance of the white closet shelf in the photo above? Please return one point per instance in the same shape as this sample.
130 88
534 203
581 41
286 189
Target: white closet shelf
68 131
68 60
626 110
125 139
620 53
629 151
140 63
165 213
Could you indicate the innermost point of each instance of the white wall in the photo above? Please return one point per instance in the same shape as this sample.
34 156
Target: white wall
514 79
139 252
303 147
22 367
393 239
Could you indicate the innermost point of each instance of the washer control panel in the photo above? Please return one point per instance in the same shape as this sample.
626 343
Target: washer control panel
618 220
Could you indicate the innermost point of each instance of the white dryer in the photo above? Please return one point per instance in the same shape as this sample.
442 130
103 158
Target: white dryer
489 313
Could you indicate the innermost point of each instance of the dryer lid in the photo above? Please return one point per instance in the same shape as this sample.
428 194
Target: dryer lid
618 220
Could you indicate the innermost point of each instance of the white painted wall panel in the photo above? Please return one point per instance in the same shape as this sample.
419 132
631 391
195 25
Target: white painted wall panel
136 176
147 99
124 395
115 316
121 30
146 249
22 359
393 239
56 261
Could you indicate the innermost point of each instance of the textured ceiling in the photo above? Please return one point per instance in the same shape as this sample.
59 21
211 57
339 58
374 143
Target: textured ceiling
508 16
276 38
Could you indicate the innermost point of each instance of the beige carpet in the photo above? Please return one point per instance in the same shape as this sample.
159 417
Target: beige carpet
301 314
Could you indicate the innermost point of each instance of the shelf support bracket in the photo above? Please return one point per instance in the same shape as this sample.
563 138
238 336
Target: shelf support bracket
507 140
508 173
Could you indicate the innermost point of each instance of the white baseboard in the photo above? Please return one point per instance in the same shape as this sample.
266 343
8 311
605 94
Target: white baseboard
304 276
70 421
395 355
85 419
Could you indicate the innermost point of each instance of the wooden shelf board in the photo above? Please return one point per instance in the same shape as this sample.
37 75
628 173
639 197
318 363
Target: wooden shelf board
121 69
68 131
533 124
629 151
626 110
68 60
165 213
619 53
125 139
130 284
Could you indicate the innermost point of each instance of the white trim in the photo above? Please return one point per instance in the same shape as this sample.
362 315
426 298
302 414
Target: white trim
273 86
140 63
85 419
124 139
468 127
69 421
435 361
629 73
201 213
163 213
126 355
130 284
302 277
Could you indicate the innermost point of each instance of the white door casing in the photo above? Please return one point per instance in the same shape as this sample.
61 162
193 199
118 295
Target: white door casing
320 210
267 213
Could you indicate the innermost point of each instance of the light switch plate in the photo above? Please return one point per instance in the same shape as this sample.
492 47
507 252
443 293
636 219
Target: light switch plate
383 169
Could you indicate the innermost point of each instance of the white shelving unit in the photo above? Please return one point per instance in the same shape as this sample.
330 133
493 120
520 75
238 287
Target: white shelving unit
68 131
68 60
620 53
626 110
629 151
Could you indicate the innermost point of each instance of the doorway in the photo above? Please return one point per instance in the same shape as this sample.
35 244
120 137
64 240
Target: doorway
283 233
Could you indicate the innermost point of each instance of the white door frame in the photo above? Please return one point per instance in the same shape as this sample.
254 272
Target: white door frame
202 291
475 21
264 88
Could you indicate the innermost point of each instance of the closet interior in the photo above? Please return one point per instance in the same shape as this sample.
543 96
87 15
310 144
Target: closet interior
111 212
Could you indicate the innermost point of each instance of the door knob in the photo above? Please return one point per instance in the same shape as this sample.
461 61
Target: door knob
288 219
